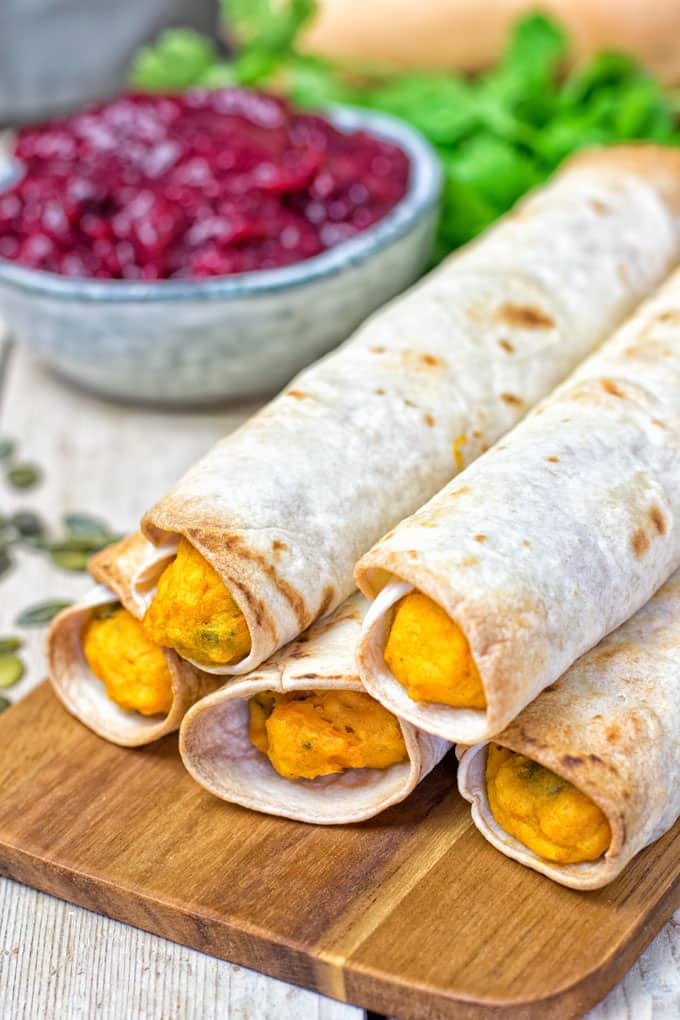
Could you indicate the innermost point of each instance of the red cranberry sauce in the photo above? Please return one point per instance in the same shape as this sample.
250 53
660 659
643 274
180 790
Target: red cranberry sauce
148 187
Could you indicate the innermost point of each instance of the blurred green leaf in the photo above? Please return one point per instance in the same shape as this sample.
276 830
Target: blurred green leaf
270 25
178 59
499 172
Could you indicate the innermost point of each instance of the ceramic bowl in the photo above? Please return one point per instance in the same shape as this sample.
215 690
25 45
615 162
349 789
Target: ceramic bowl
226 338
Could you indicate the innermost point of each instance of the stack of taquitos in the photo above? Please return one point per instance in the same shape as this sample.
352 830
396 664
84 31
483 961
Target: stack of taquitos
280 510
600 463
544 545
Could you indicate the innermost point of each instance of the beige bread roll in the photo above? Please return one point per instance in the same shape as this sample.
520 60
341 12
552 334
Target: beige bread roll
469 35
283 508
611 727
550 540
121 571
218 753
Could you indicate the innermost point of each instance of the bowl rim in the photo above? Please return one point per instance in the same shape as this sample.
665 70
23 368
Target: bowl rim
423 193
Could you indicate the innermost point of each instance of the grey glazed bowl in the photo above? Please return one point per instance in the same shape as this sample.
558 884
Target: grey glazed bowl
193 342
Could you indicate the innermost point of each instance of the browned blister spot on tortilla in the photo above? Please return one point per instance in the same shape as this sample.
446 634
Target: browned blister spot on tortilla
412 554
639 542
469 561
409 403
595 759
609 386
613 733
570 759
599 206
429 420
298 394
278 547
524 316
480 538
377 350
671 315
525 541
553 460
459 492
432 361
506 345
658 520
380 391
511 399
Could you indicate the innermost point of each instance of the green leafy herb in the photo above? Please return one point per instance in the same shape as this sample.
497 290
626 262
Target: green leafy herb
41 614
11 670
177 59
268 26
23 476
10 644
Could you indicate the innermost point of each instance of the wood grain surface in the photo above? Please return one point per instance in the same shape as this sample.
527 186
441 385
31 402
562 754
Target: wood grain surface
61 963
412 913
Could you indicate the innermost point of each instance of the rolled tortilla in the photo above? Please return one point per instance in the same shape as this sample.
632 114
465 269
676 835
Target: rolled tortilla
283 508
217 751
611 727
121 570
550 540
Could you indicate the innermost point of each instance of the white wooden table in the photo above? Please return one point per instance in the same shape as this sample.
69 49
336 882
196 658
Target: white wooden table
58 962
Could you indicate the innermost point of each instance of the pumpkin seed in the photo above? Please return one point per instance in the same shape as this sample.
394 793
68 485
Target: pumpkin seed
23 476
11 671
10 644
73 545
5 560
4 703
27 523
85 528
6 448
69 558
41 613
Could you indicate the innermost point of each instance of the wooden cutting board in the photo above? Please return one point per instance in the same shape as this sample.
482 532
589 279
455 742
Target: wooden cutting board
412 914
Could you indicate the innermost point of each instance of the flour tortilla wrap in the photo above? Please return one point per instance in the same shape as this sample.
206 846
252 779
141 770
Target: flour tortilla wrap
284 507
79 689
217 752
610 726
550 540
